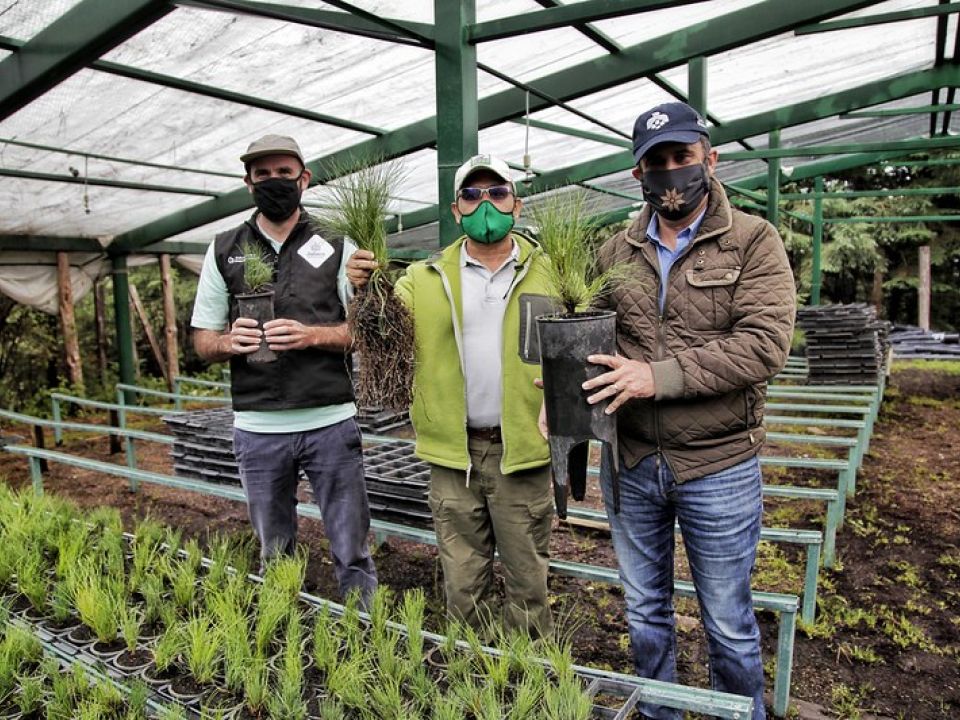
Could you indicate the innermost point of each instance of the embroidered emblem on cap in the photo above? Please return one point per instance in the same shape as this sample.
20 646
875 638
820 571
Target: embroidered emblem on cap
701 122
673 199
657 120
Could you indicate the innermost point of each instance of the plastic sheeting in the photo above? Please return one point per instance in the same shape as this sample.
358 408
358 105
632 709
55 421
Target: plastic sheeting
385 86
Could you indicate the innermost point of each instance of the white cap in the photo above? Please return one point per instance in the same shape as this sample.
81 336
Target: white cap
481 162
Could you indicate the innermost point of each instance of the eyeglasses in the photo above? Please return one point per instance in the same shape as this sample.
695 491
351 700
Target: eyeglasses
497 194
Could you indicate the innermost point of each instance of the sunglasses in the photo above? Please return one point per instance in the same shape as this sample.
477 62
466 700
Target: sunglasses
497 193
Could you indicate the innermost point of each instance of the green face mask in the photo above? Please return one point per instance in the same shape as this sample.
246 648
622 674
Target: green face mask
486 224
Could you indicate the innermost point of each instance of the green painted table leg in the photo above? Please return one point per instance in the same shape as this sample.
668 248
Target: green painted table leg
36 475
811 577
782 679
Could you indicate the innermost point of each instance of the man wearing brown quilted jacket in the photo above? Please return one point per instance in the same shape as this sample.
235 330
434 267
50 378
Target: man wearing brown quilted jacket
703 322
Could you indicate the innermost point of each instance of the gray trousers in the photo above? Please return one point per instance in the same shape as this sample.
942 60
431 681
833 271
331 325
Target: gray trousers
510 514
332 459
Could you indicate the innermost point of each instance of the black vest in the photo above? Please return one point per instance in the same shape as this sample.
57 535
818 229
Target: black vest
298 378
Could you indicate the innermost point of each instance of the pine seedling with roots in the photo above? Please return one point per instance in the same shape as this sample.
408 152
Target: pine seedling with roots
567 232
382 325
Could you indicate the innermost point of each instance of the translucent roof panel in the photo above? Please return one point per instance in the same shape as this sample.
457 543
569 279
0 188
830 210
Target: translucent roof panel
333 91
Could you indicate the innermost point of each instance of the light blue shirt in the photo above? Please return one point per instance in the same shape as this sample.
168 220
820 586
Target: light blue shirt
211 311
665 255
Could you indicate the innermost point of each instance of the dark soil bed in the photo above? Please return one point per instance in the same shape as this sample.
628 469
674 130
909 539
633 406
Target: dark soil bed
887 639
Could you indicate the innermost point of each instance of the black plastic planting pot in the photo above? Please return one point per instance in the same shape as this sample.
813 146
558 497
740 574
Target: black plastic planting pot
565 343
258 306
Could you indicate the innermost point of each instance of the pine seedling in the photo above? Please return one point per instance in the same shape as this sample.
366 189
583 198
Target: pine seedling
567 232
202 648
257 267
168 647
386 697
152 590
184 584
566 701
411 614
131 620
72 544
271 611
331 709
173 712
98 601
32 578
256 685
526 700
326 644
137 701
347 681
31 695
448 707
382 325
285 576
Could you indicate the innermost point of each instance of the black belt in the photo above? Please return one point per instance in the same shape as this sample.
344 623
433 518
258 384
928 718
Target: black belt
490 434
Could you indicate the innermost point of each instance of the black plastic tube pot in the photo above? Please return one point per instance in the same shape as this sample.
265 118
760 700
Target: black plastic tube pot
566 340
258 306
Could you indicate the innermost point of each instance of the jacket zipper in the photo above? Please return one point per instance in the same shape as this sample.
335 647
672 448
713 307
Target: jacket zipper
517 279
458 338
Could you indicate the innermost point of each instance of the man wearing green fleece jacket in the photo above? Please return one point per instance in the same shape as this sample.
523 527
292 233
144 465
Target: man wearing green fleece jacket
475 406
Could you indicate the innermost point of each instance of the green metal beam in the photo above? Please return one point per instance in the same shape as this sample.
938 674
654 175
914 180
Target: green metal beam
816 280
50 243
894 112
124 329
563 15
113 158
757 22
773 179
588 31
574 132
457 119
174 247
939 162
353 22
893 219
895 192
68 44
103 182
697 74
914 145
812 170
880 19
135 73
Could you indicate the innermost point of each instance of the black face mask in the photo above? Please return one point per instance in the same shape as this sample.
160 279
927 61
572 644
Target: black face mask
674 194
277 198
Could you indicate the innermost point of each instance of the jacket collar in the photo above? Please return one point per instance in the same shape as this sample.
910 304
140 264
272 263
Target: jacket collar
717 221
448 259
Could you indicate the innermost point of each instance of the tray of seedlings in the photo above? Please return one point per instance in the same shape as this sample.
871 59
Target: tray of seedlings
209 639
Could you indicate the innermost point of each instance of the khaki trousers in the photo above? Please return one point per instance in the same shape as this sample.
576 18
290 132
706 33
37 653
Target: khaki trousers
508 514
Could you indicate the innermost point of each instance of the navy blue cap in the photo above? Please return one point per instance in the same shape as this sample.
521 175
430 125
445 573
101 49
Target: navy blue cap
669 122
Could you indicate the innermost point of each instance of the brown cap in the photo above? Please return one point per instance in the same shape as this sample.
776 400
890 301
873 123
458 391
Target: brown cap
272 145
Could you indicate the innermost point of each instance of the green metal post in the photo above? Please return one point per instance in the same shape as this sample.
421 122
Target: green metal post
781 682
816 280
811 575
457 118
57 430
121 313
36 475
697 82
773 181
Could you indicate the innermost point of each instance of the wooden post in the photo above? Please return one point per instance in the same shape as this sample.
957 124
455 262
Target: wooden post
923 290
68 324
148 329
169 321
876 292
39 443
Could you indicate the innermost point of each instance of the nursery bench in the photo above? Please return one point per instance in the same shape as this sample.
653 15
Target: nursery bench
767 601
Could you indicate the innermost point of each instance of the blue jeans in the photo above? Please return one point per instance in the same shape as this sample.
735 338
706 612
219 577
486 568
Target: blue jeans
332 459
719 517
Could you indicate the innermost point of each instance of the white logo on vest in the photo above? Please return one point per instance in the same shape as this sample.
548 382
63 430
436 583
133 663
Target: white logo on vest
315 251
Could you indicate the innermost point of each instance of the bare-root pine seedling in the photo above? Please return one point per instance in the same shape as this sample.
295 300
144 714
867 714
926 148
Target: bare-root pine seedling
382 325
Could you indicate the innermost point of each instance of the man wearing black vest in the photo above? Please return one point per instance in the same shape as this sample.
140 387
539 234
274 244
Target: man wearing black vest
297 412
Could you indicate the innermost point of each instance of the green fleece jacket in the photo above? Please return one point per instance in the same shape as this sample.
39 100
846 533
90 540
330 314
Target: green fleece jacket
431 289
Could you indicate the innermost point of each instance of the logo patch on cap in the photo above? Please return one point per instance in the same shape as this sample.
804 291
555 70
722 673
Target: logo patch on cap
657 120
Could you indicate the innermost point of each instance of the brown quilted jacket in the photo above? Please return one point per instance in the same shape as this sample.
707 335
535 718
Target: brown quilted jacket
727 326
